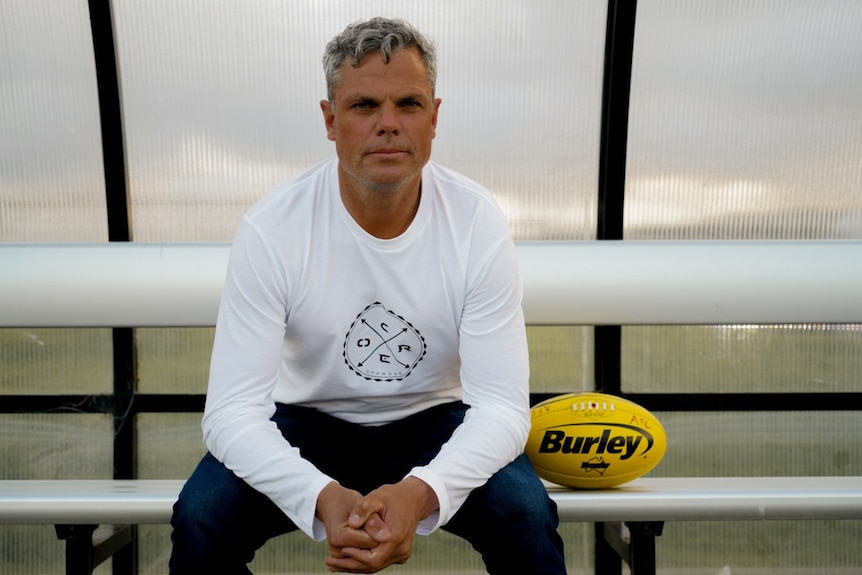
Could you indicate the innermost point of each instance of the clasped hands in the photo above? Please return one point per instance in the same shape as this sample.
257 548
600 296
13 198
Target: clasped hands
367 534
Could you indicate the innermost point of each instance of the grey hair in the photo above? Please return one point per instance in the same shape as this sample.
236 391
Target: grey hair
376 35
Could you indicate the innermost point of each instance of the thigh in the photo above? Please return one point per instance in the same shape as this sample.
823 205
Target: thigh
336 447
512 522
221 521
363 457
417 439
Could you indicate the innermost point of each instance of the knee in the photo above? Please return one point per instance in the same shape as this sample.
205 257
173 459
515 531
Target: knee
206 495
205 515
220 521
516 492
191 507
513 523
195 519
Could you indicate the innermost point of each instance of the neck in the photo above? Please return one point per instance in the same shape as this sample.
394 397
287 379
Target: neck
383 213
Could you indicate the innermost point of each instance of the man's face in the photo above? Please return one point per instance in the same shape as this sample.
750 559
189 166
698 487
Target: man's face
382 120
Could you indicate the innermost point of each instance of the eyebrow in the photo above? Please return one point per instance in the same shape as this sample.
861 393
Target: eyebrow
360 97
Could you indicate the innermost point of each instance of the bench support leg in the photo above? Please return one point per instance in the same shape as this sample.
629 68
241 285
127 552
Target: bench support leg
632 542
88 546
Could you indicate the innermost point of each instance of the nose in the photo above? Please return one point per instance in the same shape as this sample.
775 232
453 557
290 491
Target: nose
388 122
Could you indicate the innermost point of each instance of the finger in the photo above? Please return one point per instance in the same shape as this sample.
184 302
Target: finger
367 515
369 560
362 512
355 561
348 565
347 537
377 529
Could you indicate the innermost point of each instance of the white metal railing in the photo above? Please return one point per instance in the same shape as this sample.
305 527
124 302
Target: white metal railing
565 283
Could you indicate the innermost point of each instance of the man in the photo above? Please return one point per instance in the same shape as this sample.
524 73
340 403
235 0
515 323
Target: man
369 376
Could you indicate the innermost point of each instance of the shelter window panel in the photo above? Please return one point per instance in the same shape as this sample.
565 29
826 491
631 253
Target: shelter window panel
812 358
224 105
52 186
41 361
173 360
745 121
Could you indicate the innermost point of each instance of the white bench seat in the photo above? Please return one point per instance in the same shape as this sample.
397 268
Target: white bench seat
715 499
631 515
149 501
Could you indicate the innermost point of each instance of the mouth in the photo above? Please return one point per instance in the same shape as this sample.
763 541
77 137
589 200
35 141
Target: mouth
387 152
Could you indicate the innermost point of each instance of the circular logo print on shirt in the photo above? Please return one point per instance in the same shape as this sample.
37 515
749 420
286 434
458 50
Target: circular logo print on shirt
382 346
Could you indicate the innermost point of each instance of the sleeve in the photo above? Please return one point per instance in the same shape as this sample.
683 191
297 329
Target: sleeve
244 368
494 377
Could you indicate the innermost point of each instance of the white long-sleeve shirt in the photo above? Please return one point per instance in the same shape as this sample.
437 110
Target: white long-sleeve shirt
317 312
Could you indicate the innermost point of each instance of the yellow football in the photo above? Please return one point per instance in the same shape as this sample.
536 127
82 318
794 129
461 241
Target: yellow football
593 440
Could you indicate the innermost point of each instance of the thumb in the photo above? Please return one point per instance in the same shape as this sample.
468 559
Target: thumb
363 510
377 528
368 518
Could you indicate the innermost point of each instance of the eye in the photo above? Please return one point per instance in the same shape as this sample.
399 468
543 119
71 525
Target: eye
363 105
411 104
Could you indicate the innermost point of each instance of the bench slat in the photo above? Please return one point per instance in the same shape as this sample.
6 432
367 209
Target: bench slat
716 499
139 501
645 499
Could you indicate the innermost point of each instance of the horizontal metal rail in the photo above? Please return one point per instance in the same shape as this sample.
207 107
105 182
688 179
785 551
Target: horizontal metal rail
565 283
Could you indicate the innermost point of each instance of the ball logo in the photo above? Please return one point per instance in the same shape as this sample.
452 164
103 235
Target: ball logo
623 445
596 464
382 346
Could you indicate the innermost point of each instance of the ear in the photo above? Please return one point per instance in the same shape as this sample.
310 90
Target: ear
434 115
328 118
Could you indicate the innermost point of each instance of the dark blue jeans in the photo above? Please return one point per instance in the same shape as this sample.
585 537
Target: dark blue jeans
219 521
